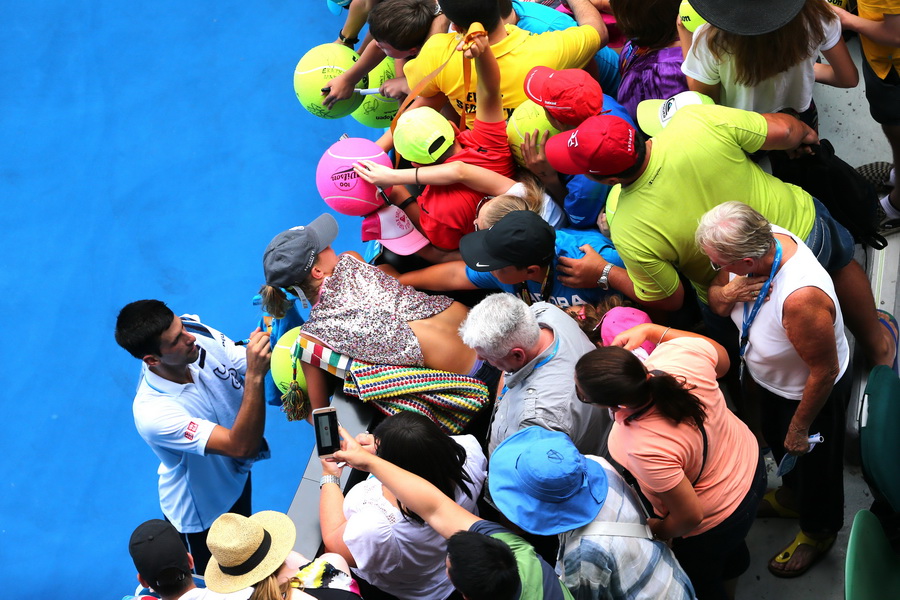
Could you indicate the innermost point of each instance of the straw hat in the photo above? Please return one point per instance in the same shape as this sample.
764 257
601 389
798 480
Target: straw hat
246 550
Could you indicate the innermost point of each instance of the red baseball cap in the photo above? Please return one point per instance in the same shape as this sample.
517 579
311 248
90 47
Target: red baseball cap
603 145
570 95
390 226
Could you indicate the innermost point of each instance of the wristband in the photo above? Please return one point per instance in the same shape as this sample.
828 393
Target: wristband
329 479
347 40
407 202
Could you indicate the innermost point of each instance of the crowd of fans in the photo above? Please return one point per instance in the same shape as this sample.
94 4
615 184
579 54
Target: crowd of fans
644 256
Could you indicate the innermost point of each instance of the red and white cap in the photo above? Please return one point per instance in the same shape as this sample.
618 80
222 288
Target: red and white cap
390 226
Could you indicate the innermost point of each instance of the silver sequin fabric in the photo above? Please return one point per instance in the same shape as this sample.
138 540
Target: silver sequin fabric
364 313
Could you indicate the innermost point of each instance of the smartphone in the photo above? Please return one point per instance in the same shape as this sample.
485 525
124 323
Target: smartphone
328 440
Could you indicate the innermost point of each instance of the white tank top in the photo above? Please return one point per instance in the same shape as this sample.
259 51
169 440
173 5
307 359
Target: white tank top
770 357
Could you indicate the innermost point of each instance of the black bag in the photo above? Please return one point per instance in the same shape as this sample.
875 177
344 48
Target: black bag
850 199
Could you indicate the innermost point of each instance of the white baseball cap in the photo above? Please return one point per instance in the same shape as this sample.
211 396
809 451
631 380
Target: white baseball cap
390 226
654 115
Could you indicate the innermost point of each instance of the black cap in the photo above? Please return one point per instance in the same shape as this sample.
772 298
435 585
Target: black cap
158 553
521 238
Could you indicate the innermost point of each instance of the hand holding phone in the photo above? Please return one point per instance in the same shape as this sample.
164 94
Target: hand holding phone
328 439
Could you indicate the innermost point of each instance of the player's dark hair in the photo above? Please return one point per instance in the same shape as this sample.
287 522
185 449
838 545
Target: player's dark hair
140 325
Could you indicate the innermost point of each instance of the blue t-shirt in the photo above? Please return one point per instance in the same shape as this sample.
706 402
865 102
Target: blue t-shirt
568 243
537 579
585 198
537 18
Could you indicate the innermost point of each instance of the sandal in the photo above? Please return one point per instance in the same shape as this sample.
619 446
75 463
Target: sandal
820 546
776 510
888 320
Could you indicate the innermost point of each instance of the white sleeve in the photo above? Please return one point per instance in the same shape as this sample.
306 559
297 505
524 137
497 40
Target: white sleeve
833 34
475 467
700 64
369 538
166 424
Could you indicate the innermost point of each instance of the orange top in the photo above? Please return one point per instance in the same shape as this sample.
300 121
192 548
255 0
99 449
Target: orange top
660 453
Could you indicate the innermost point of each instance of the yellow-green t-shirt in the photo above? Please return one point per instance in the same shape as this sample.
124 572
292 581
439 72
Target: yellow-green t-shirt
697 162
516 54
881 58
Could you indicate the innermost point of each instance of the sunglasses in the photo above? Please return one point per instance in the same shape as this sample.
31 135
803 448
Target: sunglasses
481 203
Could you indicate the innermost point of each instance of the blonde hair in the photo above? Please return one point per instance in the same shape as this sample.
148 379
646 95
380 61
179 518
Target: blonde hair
500 206
589 316
269 589
274 299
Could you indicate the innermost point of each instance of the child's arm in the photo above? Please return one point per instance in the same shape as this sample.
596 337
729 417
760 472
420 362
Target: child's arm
483 181
341 87
356 18
487 90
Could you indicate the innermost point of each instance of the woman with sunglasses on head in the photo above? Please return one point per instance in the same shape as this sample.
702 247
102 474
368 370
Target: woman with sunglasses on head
360 311
695 461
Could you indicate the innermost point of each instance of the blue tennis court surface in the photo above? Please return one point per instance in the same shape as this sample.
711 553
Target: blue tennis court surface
149 150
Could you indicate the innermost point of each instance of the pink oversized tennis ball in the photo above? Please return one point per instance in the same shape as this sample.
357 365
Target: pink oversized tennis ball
339 185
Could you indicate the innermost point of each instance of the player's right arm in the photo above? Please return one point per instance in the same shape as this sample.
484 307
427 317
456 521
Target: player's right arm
244 437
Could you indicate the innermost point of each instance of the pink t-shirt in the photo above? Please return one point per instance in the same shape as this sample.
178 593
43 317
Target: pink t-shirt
660 453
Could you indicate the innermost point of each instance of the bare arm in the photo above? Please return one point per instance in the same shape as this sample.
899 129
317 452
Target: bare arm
785 132
586 13
483 181
724 294
244 437
357 14
808 320
342 86
637 335
840 71
886 32
439 278
331 515
487 88
443 514
685 512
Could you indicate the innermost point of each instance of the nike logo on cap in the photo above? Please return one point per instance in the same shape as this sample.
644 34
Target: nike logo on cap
478 264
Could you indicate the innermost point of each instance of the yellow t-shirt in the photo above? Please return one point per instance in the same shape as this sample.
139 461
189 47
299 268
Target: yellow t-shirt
516 54
697 162
881 58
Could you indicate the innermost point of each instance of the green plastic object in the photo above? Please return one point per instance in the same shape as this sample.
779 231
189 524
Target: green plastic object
872 570
879 434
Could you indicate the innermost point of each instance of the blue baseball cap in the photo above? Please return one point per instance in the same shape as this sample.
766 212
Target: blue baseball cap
543 484
335 6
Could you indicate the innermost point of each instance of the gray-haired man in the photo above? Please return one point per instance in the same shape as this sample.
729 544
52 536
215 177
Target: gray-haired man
537 348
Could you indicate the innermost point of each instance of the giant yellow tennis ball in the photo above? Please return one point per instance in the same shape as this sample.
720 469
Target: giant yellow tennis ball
377 110
839 3
282 362
317 67
689 17
527 118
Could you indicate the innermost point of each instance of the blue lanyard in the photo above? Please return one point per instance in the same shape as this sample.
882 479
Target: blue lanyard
750 314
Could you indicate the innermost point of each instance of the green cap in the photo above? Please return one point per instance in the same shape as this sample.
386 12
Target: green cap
422 135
